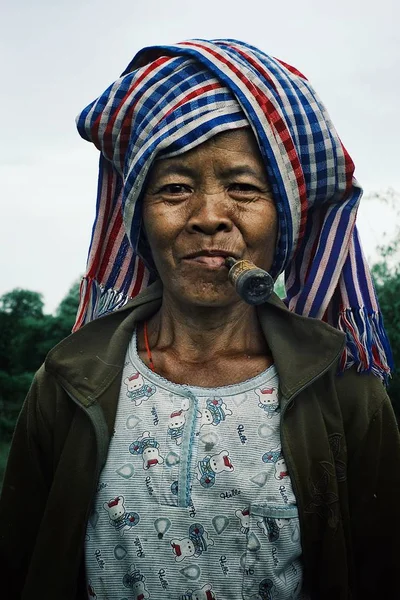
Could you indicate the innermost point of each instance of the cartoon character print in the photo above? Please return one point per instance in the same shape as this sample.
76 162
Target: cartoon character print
136 582
205 593
90 590
194 545
147 446
176 425
268 400
119 518
271 527
275 456
215 412
138 390
266 589
244 518
209 466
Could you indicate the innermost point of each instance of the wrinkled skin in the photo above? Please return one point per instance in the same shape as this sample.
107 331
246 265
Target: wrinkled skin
216 196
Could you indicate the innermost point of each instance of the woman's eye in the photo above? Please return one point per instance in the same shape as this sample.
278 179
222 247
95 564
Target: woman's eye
243 187
244 191
175 189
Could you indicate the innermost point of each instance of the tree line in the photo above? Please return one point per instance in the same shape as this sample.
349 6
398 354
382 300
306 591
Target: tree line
26 336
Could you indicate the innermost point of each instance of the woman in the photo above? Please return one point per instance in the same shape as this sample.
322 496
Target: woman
190 445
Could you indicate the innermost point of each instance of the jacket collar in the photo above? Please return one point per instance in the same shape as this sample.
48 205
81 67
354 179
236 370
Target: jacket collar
88 361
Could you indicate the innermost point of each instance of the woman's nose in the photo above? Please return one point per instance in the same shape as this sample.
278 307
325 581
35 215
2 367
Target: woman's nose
210 214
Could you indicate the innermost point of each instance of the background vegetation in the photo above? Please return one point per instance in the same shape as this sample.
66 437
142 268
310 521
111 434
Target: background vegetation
27 334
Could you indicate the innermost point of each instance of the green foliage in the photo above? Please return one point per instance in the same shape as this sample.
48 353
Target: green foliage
386 275
26 336
22 303
279 287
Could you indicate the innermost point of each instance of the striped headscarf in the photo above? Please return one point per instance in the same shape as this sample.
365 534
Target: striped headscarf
171 99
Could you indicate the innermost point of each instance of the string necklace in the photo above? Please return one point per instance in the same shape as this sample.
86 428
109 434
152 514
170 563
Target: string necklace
146 343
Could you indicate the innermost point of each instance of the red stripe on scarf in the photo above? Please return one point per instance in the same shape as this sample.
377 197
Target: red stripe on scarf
107 136
138 280
275 120
291 68
194 94
95 255
110 245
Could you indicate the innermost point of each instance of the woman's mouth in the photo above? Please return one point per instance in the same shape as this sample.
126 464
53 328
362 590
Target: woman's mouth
213 262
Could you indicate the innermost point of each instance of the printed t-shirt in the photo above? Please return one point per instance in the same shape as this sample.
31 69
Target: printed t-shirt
195 500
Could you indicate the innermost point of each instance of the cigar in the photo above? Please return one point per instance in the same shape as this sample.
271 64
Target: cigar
254 285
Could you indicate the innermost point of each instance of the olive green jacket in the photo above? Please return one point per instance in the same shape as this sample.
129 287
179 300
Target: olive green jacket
339 437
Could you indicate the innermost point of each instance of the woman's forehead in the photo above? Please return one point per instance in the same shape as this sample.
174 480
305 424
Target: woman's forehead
237 145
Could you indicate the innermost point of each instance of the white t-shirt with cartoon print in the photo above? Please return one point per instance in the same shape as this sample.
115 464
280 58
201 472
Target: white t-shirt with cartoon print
194 501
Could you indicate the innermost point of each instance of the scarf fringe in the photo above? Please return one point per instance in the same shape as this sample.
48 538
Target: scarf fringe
367 344
96 301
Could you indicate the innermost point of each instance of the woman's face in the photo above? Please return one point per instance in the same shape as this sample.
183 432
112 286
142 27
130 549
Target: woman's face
203 205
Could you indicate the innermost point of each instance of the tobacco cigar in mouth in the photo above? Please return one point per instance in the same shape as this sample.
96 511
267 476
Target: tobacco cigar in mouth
254 285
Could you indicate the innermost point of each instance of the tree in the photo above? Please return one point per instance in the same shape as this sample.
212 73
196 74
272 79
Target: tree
67 308
21 315
22 303
387 283
26 336
386 274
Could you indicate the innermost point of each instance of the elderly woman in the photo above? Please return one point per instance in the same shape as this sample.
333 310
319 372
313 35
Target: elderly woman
193 445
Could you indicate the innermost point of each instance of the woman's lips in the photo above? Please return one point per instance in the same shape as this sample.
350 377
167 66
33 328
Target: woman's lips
209 261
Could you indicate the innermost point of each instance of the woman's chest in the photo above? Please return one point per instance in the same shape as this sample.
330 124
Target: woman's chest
199 484
220 372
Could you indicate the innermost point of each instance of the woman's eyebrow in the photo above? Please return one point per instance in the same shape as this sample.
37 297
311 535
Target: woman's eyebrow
243 170
186 171
175 169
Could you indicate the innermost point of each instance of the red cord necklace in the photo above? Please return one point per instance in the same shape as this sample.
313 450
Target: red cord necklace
146 343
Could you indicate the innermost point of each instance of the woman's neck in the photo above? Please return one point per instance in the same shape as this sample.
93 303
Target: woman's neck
203 334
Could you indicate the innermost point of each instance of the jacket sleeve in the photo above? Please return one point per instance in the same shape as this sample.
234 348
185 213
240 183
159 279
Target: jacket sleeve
24 492
374 496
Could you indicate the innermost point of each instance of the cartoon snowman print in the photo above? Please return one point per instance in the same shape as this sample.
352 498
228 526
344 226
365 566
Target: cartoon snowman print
204 593
268 400
176 425
244 518
271 527
119 518
193 545
266 590
215 412
275 457
135 581
177 420
137 389
148 447
210 466
90 590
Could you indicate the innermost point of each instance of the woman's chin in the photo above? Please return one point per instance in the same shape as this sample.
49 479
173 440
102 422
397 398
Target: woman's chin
204 293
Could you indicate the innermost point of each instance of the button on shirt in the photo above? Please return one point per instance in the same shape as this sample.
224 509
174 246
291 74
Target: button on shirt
195 500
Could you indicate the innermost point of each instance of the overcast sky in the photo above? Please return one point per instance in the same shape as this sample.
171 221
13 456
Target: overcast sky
59 56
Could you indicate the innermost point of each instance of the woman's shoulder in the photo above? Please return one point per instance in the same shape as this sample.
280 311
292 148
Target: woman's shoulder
360 392
365 408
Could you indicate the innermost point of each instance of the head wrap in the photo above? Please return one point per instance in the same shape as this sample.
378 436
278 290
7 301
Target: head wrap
171 99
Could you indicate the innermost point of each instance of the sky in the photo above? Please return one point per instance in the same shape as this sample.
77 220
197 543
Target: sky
59 56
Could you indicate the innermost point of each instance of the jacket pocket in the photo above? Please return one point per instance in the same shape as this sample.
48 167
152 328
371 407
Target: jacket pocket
272 565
